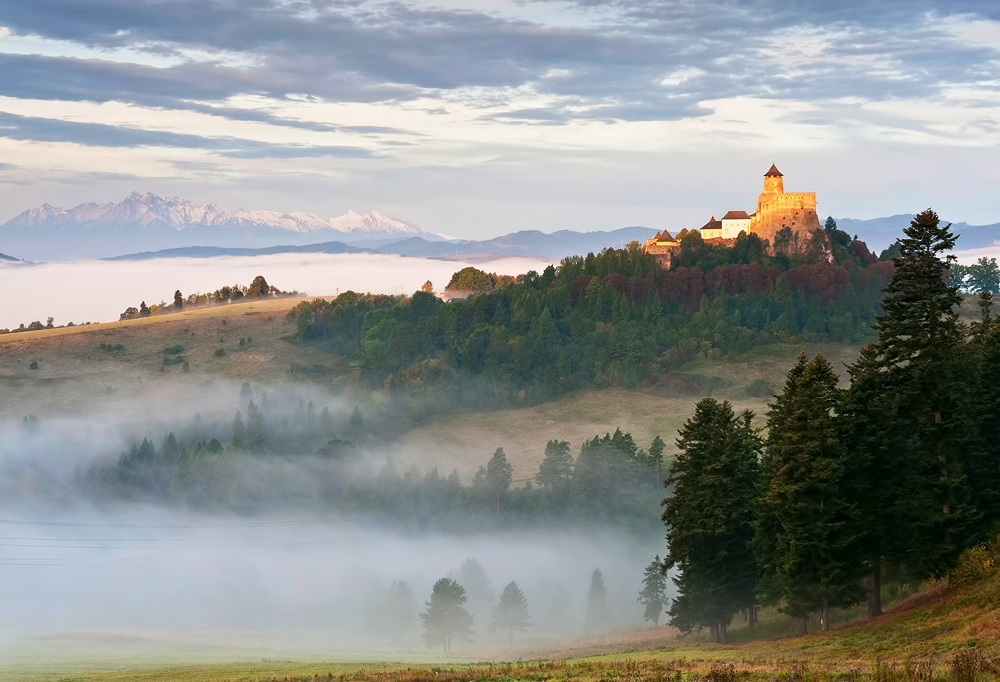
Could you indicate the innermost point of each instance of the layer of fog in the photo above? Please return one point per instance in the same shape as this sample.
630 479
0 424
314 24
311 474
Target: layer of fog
76 564
970 256
98 291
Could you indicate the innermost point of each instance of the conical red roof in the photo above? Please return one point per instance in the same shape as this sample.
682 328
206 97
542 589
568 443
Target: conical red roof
773 172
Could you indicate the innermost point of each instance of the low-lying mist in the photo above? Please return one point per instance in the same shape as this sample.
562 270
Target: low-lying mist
288 540
102 297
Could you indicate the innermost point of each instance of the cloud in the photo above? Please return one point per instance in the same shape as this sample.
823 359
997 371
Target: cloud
36 129
615 56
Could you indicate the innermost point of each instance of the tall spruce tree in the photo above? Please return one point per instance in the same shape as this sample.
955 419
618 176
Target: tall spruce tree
983 360
709 518
907 410
816 557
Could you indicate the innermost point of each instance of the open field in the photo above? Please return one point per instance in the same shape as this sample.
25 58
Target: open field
75 372
925 634
468 440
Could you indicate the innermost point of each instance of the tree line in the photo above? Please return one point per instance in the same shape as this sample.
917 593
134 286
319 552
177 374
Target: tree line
259 288
898 472
608 319
280 452
461 598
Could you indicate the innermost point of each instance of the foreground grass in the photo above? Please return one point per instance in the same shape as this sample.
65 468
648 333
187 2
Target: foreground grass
937 634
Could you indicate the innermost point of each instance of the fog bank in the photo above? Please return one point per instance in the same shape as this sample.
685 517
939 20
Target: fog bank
98 291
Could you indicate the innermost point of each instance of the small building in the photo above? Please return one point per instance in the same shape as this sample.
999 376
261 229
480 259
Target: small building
712 229
662 247
735 222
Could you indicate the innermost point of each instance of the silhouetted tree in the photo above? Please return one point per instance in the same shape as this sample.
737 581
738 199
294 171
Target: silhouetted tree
598 616
653 595
445 617
511 612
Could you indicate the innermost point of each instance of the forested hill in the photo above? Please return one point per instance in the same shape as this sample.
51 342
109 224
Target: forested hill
612 318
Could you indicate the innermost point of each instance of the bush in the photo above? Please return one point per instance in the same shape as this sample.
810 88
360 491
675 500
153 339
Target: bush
973 565
176 360
760 388
173 350
219 352
112 347
33 365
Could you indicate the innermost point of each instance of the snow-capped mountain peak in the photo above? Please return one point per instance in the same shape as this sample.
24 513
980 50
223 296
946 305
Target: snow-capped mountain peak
148 220
374 223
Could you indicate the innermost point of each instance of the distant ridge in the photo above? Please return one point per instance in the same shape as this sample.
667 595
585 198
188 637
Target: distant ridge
525 243
148 222
880 233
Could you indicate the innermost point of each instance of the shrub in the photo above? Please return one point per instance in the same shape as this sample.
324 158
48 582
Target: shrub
760 388
33 365
112 346
219 352
973 565
176 360
173 350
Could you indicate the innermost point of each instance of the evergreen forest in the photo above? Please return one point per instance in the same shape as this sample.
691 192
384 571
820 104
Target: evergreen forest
614 318
895 475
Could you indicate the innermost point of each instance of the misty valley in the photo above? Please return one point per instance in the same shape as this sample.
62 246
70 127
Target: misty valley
613 454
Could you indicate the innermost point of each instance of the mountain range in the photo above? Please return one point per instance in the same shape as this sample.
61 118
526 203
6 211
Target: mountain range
144 226
147 222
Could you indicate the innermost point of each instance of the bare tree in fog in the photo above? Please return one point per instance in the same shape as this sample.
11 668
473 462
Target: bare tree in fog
446 618
511 613
598 618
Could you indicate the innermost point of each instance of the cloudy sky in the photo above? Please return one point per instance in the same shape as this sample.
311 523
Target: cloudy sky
481 117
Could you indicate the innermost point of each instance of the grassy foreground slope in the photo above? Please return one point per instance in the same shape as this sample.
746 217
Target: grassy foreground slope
937 634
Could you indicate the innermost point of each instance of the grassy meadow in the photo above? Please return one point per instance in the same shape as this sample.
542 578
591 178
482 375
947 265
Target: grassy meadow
936 634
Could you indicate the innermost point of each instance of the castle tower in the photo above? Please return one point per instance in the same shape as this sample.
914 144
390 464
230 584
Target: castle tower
773 183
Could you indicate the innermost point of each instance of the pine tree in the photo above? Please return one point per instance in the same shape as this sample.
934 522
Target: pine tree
445 617
915 386
817 559
983 396
653 595
556 470
709 518
598 616
655 456
499 475
511 612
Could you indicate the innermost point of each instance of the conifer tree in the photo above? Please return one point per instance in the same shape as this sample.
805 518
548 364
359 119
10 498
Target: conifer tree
511 612
913 383
598 616
709 518
556 469
983 397
815 554
445 617
653 595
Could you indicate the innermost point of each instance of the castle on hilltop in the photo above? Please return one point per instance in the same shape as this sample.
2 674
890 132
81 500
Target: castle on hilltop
776 210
